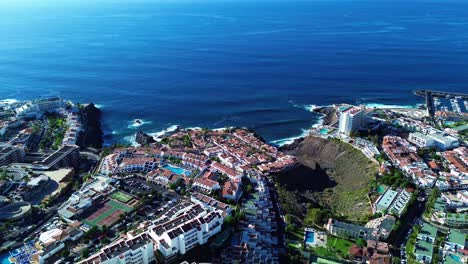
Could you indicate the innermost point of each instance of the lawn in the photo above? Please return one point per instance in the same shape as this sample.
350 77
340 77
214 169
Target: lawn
340 245
324 252
120 196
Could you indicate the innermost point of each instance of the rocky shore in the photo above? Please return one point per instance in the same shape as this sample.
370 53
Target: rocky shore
92 135
143 139
330 116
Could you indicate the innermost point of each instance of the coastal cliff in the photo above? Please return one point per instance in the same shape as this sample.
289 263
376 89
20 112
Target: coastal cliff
92 136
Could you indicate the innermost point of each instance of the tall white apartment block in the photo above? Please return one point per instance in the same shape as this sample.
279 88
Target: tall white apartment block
351 119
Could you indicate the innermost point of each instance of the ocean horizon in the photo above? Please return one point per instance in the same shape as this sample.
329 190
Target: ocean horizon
257 64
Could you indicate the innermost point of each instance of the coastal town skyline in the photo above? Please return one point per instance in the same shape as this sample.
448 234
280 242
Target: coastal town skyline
233 131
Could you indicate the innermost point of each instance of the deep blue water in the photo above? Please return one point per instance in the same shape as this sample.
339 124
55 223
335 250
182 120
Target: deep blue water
230 63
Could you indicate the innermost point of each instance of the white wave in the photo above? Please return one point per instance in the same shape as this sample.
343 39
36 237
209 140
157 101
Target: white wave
100 106
311 107
385 106
158 134
131 139
194 128
221 128
135 125
319 122
286 141
8 101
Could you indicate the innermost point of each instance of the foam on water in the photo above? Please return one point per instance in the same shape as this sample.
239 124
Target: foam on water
156 135
131 139
134 125
8 101
385 106
289 140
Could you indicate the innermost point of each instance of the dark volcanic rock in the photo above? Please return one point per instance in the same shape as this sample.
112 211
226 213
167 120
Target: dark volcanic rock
292 146
329 115
92 123
144 139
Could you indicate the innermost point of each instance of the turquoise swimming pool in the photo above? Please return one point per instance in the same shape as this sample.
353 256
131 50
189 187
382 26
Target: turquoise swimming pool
4 259
456 258
177 170
310 237
324 131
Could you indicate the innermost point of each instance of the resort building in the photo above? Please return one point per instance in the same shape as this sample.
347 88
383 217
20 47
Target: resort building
428 233
377 229
393 201
67 156
36 109
133 250
350 120
49 251
455 241
182 228
457 161
91 193
10 155
403 156
211 204
421 140
206 184
232 190
444 142
424 251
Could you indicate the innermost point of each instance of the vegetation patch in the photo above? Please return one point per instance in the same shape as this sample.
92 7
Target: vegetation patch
334 176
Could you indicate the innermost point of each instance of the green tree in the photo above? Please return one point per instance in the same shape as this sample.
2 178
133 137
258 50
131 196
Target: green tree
313 217
65 252
85 253
361 242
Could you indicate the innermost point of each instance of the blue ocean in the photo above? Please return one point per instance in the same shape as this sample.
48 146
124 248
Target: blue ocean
258 64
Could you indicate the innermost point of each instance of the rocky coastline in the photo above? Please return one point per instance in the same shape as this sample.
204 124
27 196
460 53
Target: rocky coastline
93 134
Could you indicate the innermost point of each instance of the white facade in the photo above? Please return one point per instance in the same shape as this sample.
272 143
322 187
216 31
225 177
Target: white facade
181 230
444 141
350 119
421 140
135 250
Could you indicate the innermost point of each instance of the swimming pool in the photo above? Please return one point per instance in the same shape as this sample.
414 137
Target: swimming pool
310 237
381 189
456 258
4 259
176 170
324 131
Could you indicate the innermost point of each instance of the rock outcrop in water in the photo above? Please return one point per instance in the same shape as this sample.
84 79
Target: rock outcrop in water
329 113
92 136
143 138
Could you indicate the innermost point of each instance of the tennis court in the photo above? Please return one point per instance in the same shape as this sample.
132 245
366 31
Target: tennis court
108 214
120 196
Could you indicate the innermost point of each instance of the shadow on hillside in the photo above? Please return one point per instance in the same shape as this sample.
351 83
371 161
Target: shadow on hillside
304 178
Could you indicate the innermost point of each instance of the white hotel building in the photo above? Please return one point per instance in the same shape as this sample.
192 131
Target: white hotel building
350 119
135 250
183 227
